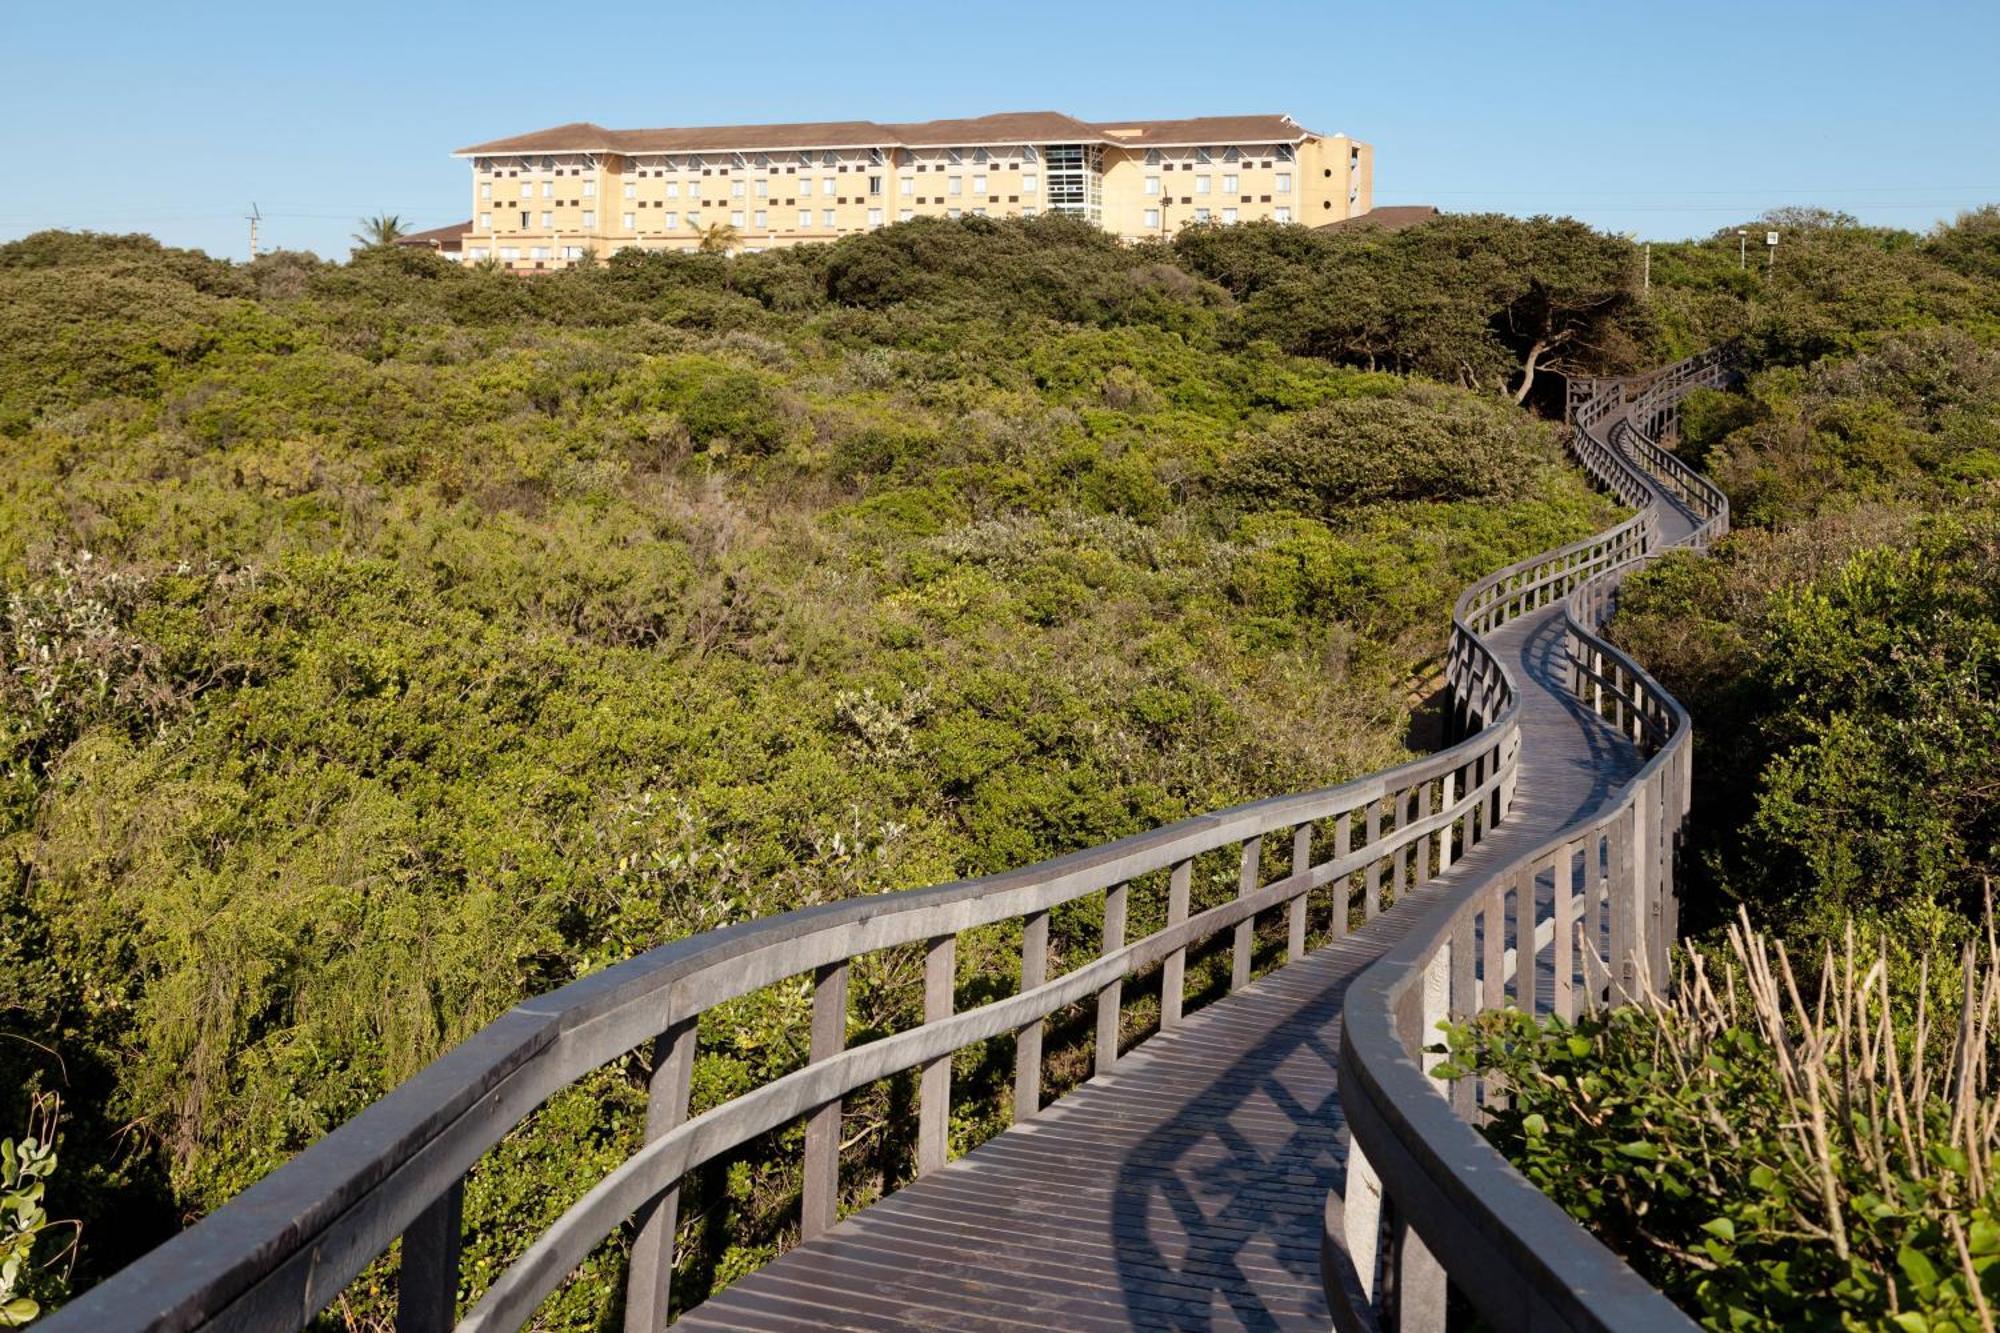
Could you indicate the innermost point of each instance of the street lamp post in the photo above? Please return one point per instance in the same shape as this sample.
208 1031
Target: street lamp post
1742 248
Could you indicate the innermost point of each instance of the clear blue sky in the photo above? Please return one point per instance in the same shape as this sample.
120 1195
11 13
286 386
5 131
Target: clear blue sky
1661 119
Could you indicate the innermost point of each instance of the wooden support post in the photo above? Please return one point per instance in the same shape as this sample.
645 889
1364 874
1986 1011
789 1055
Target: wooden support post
1464 1003
1111 998
821 1205
1493 949
1562 963
1343 847
1423 844
650 1274
1028 1038
1246 929
934 1093
1371 902
427 1288
1295 911
1447 797
1525 912
1173 971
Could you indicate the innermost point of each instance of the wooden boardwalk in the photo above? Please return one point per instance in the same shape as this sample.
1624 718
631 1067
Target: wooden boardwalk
1184 1189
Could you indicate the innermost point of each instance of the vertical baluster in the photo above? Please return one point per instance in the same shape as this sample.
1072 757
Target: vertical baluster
427 1287
821 1206
1111 996
934 1092
1623 919
1525 913
1028 1038
1173 972
650 1275
1295 919
1464 1004
1343 847
1446 799
1562 964
1399 874
1423 844
1492 949
1246 929
1371 902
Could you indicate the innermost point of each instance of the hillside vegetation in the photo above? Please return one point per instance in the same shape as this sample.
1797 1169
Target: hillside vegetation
383 643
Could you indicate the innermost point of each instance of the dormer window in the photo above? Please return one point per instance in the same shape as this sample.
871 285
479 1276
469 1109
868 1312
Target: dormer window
806 160
1283 152
738 160
1152 157
764 161
1201 155
1232 155
981 156
875 157
1028 153
954 156
829 158
694 162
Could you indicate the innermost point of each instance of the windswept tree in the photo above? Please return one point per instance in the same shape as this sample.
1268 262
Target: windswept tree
718 238
382 229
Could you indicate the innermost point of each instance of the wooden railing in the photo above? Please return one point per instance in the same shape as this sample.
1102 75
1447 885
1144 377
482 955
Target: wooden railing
1586 919
286 1248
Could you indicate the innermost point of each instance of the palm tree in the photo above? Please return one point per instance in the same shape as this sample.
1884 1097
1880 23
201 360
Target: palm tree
382 229
718 238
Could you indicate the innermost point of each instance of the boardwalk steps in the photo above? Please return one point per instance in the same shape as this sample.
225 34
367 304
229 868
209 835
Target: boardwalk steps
1277 1158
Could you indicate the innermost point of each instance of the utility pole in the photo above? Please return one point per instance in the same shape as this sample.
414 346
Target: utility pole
1742 248
1646 284
254 218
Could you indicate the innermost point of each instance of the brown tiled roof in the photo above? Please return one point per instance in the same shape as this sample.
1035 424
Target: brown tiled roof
1005 127
1389 217
438 235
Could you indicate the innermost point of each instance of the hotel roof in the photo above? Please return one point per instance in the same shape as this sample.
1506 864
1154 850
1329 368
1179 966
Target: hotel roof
1008 127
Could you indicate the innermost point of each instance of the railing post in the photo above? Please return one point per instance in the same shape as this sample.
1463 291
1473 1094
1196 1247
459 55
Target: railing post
1343 847
1525 911
934 1091
1028 1038
1562 965
1447 799
1423 844
1371 902
427 1287
1111 997
1246 929
1417 1305
650 1273
1295 911
820 1208
1173 971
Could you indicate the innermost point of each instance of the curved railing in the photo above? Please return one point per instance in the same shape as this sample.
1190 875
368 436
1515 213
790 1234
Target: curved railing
1585 919
286 1248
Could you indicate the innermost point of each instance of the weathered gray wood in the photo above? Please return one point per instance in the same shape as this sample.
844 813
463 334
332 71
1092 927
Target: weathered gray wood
1173 971
427 1287
1295 913
1110 999
1028 1039
1343 847
650 1275
1247 880
1372 877
820 1204
934 1087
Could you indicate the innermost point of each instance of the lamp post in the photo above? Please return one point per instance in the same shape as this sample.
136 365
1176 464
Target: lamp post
1742 248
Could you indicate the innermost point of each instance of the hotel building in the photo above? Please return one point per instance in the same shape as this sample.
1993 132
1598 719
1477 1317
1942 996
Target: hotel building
545 200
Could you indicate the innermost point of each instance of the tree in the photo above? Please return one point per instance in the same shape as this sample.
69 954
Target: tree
718 238
382 229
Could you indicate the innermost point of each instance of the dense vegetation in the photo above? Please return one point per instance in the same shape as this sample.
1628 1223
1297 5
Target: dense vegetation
385 642
1840 655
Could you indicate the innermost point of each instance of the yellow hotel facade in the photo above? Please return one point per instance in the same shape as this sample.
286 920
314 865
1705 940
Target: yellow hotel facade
546 200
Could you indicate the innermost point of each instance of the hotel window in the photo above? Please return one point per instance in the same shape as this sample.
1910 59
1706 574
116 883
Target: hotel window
1229 185
538 252
631 190
1201 185
1229 215
524 222
527 189
509 252
875 157
1281 215
1027 212
761 220
806 160
589 188
673 189
1152 157
905 185
981 156
738 160
548 189
979 212
486 189
763 189
951 213
694 221
827 185
1284 152
630 221
736 217
1152 217
736 189
589 218
1030 183
1152 185
694 189
805 186
953 156
548 219
694 162
828 159
1232 155
874 217
1201 155
1284 185
874 185
827 216
486 222
979 185
905 214
672 221
476 252
805 217
1201 215
1028 153
956 185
